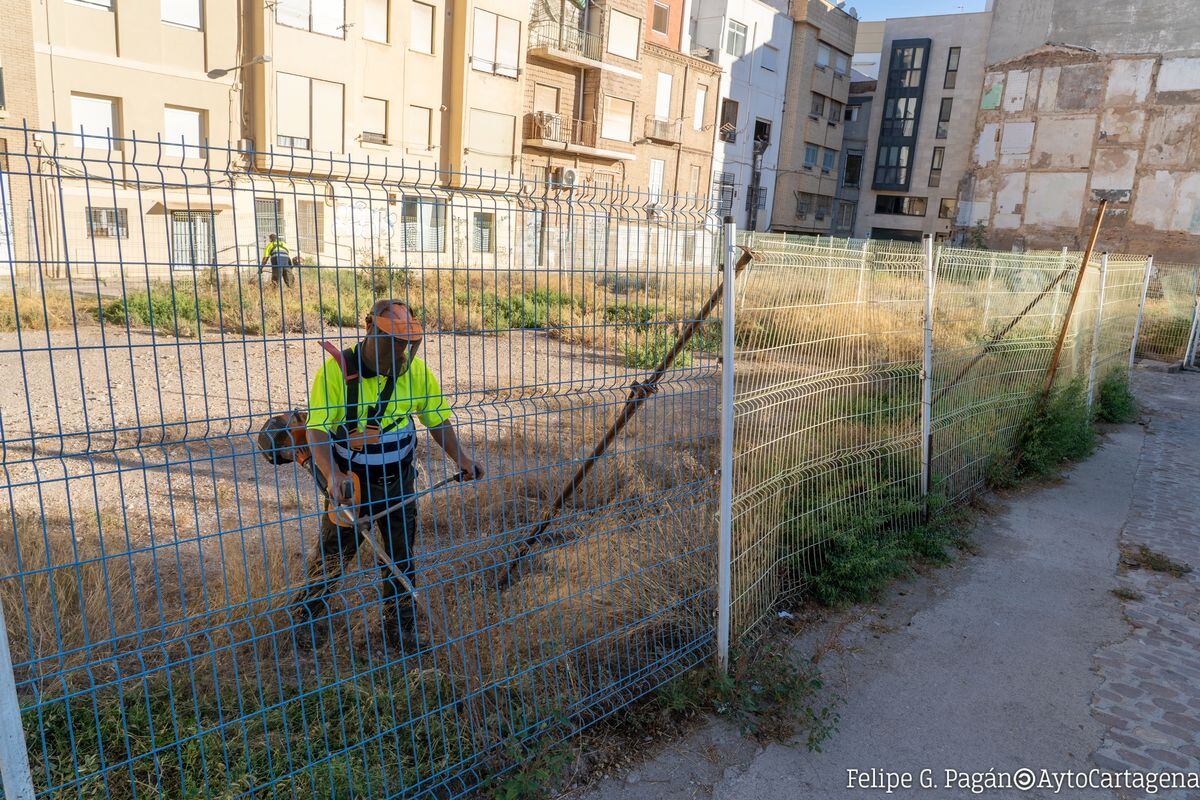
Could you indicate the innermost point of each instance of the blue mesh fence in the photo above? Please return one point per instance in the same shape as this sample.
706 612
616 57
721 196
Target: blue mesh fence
489 514
187 619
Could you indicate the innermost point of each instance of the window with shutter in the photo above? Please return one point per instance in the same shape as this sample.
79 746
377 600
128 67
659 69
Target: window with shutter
657 168
374 126
375 20
421 28
327 121
662 96
182 12
418 128
624 31
183 131
495 44
618 119
329 17
292 111
95 119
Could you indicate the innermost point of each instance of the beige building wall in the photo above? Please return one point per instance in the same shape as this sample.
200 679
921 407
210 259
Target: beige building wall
126 52
968 32
446 106
804 189
19 105
1060 126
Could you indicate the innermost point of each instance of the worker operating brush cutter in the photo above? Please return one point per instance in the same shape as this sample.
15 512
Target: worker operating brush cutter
361 439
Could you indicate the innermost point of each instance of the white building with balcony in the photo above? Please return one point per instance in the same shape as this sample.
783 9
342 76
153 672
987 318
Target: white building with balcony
751 41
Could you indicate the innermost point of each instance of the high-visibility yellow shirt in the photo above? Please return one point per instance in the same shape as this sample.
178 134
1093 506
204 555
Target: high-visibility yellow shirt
273 246
416 393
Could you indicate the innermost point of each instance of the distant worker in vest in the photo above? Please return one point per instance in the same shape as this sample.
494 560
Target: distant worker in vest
279 258
360 430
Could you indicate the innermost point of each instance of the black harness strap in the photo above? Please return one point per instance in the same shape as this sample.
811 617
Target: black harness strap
350 359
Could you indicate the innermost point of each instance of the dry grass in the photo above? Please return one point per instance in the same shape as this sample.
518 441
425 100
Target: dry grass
35 312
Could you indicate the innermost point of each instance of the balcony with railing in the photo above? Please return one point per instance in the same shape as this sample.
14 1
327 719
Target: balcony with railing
549 131
661 129
559 42
543 129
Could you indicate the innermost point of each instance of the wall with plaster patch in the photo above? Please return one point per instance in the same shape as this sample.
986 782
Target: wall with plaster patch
1059 124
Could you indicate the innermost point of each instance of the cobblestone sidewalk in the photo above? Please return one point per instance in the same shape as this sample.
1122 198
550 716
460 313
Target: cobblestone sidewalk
1150 697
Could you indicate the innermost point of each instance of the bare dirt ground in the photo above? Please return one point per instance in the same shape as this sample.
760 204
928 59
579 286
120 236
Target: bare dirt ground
148 441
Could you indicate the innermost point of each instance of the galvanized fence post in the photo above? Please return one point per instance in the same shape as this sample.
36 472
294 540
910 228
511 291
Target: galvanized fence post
927 374
1137 326
1096 329
987 298
862 270
14 755
725 512
1193 340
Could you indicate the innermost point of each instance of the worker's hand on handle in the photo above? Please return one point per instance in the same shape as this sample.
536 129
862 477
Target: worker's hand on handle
343 488
470 471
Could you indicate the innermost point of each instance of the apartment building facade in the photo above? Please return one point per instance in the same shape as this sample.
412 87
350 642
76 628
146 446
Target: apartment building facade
310 89
922 123
750 40
811 141
855 142
612 101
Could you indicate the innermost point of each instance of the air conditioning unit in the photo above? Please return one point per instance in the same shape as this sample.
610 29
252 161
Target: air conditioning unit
547 126
567 177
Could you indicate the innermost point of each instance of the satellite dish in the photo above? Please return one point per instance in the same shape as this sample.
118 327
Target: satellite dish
852 11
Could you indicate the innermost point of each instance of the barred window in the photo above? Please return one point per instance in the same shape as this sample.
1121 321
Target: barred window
108 223
483 232
424 225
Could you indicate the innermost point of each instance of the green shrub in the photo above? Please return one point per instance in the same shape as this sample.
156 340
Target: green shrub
1060 430
636 314
162 309
649 351
537 309
1114 401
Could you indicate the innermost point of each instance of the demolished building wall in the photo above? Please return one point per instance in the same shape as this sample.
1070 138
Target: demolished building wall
1061 123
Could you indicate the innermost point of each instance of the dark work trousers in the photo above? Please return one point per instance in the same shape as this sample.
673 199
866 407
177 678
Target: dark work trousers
284 273
397 531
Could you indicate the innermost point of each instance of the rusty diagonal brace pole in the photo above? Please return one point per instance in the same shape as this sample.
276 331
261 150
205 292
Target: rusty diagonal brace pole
1062 334
1007 329
638 392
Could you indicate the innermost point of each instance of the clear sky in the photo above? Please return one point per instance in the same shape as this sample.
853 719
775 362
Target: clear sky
882 9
